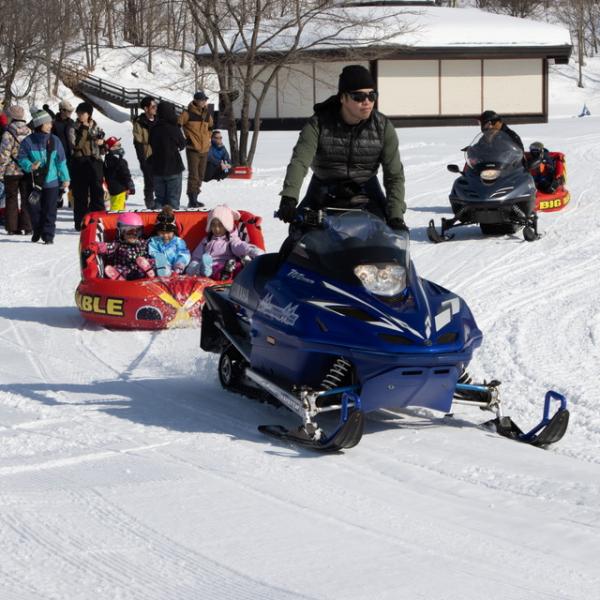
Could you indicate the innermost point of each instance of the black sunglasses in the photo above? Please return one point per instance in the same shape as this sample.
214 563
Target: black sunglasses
362 96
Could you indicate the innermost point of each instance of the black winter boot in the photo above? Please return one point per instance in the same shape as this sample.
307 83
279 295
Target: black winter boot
193 201
228 269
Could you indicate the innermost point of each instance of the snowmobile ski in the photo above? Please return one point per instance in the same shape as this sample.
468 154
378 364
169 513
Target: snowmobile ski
434 236
548 431
346 436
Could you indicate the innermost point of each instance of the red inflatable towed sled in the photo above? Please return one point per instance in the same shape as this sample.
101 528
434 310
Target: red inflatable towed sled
158 303
557 200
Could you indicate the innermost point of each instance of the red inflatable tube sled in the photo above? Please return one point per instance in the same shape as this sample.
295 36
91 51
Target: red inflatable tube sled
241 172
158 303
559 198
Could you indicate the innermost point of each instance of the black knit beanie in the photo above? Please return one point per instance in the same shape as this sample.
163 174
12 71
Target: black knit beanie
85 107
355 77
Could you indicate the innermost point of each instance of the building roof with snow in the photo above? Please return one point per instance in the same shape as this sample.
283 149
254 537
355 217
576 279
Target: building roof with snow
410 28
432 64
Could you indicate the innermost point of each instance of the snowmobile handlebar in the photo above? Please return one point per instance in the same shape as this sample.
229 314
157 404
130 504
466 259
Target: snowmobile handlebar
308 217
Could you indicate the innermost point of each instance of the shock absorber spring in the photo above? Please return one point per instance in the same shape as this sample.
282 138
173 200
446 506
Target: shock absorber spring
337 373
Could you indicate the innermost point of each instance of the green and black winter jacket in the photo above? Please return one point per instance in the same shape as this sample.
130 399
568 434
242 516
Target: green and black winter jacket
342 153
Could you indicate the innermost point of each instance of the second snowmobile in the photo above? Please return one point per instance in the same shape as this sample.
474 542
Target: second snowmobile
494 190
343 324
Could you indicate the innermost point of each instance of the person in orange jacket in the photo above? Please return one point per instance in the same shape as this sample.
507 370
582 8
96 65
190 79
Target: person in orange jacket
197 124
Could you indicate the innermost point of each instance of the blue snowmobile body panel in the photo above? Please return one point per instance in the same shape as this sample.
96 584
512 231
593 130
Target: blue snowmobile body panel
297 316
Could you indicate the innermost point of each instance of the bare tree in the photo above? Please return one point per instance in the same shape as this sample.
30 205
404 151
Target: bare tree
247 44
574 13
132 22
514 8
20 49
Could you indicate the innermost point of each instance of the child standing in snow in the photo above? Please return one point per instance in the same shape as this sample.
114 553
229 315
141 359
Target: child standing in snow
117 175
219 255
169 251
127 256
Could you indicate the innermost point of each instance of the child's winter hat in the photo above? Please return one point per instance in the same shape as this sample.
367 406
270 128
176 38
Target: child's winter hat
16 113
39 117
226 215
111 141
165 220
66 106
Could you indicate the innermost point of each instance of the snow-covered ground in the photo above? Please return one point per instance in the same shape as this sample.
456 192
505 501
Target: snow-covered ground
126 472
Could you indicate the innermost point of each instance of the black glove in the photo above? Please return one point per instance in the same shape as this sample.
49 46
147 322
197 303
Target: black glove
287 209
398 224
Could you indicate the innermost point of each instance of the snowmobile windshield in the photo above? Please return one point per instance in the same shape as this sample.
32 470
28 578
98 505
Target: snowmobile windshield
493 149
349 239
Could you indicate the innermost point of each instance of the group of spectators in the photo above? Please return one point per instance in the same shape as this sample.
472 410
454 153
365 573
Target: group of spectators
33 165
40 159
159 137
344 142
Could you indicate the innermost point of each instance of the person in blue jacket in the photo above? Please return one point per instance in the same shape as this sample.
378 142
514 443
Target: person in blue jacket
42 157
169 251
218 165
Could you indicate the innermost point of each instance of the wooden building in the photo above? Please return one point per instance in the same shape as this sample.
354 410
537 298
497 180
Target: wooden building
450 66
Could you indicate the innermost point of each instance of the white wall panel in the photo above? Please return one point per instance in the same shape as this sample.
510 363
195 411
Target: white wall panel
461 87
269 107
413 88
513 86
296 92
408 87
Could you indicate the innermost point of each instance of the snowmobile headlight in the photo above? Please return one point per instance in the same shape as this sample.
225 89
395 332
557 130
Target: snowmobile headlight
387 279
490 174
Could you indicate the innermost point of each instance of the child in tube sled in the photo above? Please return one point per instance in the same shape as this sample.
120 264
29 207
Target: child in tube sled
127 257
543 169
169 252
221 254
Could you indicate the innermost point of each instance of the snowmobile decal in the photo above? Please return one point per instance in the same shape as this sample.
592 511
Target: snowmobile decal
388 318
286 315
337 308
425 298
293 274
450 308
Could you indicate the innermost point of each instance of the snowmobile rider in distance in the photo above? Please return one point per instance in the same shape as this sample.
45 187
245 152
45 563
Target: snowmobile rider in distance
344 142
489 119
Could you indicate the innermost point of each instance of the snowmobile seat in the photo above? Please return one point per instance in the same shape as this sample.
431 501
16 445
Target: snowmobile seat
248 286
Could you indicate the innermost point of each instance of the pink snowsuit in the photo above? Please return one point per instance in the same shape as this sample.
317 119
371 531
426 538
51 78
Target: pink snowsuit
223 248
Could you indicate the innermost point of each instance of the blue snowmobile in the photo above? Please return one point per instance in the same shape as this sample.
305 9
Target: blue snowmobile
343 324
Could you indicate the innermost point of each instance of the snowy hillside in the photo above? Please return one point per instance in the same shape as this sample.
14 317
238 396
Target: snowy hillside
126 472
